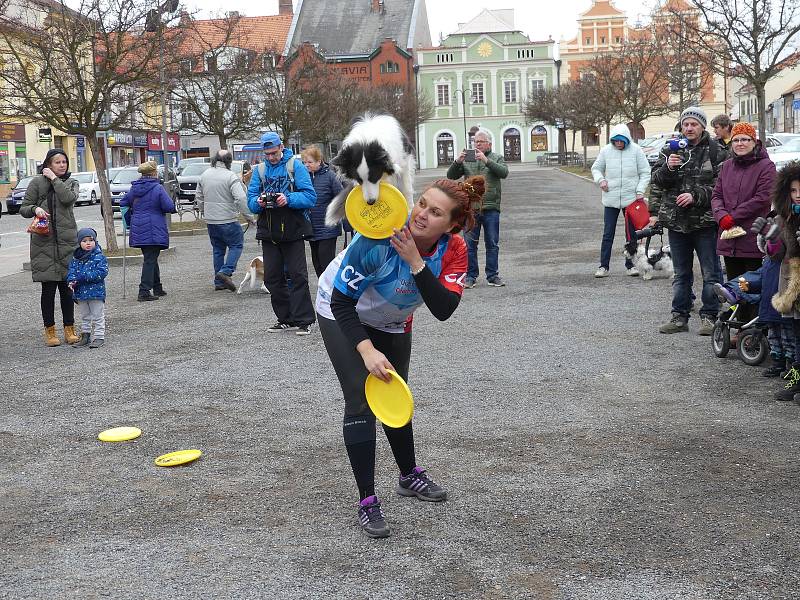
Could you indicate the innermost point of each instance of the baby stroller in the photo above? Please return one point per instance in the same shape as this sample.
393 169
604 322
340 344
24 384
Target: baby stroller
752 345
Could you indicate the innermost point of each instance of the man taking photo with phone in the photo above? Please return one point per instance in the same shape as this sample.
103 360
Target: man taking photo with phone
482 161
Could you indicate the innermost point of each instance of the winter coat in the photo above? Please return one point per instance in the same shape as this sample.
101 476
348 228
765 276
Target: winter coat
770 278
50 254
743 191
148 202
221 196
494 171
89 270
697 177
327 186
285 223
626 171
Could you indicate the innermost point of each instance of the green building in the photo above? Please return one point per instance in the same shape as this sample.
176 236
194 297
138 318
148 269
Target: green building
495 67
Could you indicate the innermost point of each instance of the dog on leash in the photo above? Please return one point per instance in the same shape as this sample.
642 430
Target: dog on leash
255 273
376 148
652 263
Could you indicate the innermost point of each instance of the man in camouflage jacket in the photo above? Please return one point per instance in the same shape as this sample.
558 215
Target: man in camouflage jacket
683 182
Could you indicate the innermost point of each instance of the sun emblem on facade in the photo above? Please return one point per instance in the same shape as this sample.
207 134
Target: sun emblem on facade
485 49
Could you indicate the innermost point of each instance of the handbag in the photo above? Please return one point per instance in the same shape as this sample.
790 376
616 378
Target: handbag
39 225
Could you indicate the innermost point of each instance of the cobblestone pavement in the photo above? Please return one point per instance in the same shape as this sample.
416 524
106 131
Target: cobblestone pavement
586 455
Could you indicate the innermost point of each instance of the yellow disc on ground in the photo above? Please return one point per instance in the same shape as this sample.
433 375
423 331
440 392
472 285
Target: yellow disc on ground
181 457
119 434
392 403
377 220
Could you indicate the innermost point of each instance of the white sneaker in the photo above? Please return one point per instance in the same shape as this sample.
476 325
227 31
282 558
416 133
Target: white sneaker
633 272
601 272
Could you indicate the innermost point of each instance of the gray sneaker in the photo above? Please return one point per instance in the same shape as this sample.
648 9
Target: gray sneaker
496 281
706 325
675 324
469 282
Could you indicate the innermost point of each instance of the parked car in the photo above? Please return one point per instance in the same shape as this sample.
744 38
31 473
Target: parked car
90 187
786 152
652 145
14 200
187 181
121 185
185 162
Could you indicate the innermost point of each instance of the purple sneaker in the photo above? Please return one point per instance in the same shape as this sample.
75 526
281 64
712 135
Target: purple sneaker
420 485
370 517
724 294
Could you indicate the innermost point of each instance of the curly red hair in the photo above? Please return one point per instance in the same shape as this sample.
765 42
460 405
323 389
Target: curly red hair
467 196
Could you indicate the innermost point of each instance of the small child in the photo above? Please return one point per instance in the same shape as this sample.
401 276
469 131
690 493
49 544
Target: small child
85 277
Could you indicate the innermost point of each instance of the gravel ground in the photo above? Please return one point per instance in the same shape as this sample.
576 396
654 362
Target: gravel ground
586 455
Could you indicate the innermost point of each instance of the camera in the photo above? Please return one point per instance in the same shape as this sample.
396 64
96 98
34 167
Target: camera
648 232
677 145
269 199
470 157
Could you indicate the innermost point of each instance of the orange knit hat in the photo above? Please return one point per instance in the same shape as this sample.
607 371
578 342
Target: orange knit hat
744 129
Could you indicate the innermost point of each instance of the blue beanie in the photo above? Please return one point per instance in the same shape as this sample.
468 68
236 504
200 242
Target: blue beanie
270 140
620 138
87 232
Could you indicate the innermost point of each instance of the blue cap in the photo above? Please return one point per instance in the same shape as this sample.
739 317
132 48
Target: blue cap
87 232
270 139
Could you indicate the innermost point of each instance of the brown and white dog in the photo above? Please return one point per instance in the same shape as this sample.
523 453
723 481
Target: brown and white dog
255 273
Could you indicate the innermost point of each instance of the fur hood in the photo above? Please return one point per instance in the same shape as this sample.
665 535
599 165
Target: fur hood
784 301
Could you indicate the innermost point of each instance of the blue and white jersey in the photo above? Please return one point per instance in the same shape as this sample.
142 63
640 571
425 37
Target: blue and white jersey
371 272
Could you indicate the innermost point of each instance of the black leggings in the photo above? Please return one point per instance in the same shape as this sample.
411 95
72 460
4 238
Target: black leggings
322 253
358 427
49 303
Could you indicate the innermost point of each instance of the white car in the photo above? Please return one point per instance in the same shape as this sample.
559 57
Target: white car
785 153
90 187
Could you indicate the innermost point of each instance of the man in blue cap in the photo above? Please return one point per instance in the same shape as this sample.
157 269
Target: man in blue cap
281 194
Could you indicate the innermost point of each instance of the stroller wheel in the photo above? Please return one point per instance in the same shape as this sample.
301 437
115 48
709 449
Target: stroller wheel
721 339
753 347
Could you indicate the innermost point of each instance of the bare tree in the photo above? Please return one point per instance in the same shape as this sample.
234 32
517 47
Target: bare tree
753 37
398 101
81 71
214 83
635 80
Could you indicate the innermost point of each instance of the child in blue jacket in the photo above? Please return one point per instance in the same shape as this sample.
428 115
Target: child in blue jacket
86 278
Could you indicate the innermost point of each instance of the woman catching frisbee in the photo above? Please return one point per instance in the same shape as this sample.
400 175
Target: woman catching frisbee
365 302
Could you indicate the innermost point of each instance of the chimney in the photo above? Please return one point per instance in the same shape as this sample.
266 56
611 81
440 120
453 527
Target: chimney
285 7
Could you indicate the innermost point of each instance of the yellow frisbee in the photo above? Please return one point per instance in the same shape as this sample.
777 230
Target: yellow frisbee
392 403
376 221
119 434
181 457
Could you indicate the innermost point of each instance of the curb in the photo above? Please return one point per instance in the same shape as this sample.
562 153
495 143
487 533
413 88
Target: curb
584 177
116 261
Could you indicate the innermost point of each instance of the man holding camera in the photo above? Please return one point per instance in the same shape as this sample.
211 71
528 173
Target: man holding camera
221 198
281 194
685 175
482 161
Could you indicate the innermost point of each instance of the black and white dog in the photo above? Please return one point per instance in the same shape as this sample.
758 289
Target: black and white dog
651 263
376 148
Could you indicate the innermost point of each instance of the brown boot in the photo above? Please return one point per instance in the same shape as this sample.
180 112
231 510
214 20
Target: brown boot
50 336
69 334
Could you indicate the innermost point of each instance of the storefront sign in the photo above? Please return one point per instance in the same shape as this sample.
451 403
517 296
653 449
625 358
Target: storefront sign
154 141
120 138
140 140
80 141
45 134
12 132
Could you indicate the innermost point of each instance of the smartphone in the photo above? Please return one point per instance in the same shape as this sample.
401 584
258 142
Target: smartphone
470 157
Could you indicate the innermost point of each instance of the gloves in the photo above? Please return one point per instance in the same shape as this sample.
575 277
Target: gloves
766 226
727 222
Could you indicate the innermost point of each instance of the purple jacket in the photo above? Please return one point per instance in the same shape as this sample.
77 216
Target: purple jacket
743 191
148 202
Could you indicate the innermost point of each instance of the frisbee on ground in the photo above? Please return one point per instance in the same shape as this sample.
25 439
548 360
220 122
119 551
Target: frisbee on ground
392 403
181 457
119 434
376 221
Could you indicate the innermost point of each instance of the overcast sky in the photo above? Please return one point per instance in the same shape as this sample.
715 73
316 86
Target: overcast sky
558 19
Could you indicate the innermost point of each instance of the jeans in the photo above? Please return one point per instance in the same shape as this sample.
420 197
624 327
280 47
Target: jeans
291 305
225 237
151 275
610 216
490 221
683 247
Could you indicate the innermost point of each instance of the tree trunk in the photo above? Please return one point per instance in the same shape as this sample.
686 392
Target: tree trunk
223 141
762 110
608 131
574 133
105 193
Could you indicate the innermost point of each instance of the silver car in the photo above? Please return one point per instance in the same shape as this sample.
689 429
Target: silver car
188 179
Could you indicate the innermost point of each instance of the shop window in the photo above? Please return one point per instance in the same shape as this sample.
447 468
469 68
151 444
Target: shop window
591 136
5 171
539 139
22 161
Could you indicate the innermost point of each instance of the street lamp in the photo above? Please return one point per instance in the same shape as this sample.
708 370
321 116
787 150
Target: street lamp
415 68
154 24
562 132
464 94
